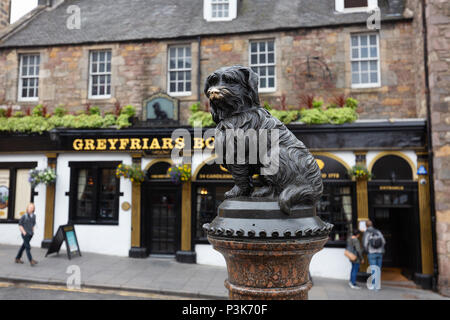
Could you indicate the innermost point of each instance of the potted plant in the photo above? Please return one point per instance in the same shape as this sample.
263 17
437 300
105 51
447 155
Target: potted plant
46 176
360 172
133 172
180 173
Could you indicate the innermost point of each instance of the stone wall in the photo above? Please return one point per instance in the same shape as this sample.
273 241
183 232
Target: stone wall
140 69
5 8
438 25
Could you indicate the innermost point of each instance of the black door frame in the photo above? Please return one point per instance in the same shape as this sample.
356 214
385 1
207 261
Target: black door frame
413 205
159 185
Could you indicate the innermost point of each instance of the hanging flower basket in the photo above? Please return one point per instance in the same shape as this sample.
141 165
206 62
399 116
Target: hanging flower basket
133 172
46 176
360 173
180 173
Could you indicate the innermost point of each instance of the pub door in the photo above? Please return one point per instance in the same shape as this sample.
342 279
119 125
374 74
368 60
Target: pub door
394 211
161 218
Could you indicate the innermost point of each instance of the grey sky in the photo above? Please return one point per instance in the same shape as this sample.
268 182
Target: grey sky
20 8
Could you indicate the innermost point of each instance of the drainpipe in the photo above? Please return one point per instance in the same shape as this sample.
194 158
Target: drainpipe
430 146
199 67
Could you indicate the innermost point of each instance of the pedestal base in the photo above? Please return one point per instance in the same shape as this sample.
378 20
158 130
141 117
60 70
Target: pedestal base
267 252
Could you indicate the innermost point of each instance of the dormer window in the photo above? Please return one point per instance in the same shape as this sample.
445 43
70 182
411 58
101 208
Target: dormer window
349 6
220 10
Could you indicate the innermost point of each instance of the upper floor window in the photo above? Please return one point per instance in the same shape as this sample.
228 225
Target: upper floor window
220 10
180 68
100 74
262 61
29 77
365 60
355 5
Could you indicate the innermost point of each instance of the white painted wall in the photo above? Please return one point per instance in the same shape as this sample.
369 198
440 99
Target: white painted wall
110 240
328 263
9 233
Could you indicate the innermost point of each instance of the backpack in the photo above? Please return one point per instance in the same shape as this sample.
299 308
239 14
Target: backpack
375 240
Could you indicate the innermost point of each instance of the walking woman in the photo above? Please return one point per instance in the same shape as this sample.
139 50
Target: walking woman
354 247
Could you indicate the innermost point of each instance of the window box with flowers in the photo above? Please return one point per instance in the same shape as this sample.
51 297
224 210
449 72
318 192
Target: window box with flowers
180 173
134 173
360 172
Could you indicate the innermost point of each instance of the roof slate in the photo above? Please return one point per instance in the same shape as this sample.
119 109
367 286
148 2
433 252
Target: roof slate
128 20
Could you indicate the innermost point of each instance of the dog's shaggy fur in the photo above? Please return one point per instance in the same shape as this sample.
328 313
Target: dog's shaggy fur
233 95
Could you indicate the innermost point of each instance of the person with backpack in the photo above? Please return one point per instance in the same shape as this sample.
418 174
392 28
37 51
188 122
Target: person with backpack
373 243
354 253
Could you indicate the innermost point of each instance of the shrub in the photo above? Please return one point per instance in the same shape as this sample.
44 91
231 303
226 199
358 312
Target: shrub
313 116
128 110
59 111
200 117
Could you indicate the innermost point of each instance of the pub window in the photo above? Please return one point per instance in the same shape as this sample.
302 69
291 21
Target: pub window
100 74
29 77
207 200
336 206
262 61
365 60
180 67
94 193
15 190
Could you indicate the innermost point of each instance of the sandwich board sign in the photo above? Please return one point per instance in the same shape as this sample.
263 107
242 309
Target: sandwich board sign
68 235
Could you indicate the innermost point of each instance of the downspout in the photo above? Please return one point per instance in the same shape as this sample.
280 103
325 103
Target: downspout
430 147
199 68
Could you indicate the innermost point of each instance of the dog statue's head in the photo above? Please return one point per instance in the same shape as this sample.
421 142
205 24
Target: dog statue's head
231 90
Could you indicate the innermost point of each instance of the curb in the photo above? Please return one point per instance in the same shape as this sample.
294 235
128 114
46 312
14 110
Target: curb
119 288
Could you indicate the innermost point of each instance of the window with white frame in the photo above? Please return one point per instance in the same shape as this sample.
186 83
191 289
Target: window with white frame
262 61
220 10
180 67
29 77
365 60
100 74
349 6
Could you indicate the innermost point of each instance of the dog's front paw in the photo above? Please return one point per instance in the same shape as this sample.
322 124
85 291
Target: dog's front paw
237 192
266 191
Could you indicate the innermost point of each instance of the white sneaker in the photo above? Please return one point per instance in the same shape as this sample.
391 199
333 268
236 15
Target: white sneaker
354 286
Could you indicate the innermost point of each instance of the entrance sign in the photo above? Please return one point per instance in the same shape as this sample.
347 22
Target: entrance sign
68 235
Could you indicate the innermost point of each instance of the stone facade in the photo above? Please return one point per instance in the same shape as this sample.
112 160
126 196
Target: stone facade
438 32
5 9
140 70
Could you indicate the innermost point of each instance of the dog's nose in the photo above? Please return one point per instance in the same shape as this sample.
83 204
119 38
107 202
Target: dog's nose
214 93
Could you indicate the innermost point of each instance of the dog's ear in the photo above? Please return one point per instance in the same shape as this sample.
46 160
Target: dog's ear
252 80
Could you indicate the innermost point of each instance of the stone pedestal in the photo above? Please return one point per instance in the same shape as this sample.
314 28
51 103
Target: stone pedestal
267 252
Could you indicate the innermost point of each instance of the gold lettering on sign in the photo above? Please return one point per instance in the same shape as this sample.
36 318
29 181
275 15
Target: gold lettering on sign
167 144
101 144
89 144
179 143
392 188
210 143
199 143
145 146
124 143
112 144
135 144
155 144
78 144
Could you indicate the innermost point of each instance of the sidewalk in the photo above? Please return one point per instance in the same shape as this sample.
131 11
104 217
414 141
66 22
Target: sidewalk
165 276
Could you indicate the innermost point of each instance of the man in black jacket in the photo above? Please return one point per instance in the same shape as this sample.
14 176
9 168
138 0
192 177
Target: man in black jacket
26 227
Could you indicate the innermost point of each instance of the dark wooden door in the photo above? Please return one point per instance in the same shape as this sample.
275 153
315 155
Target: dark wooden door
162 219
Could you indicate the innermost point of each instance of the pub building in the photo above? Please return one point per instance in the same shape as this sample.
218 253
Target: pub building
160 218
160 71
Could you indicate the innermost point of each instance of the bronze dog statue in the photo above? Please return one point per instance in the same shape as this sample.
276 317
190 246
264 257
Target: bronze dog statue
233 95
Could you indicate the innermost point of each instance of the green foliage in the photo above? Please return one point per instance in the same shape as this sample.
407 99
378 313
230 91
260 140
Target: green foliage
2 113
285 116
40 122
128 110
317 104
313 116
341 115
351 103
95 111
59 112
199 117
267 106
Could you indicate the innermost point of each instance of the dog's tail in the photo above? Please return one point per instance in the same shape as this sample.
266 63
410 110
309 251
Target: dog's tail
307 190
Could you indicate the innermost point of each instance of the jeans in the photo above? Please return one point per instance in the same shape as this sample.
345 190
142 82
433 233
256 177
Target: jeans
354 273
25 246
375 259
